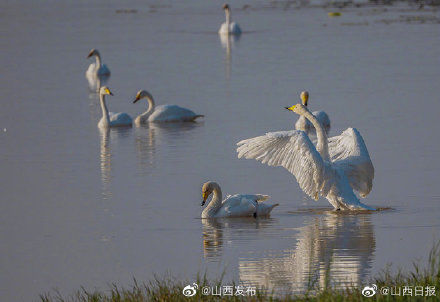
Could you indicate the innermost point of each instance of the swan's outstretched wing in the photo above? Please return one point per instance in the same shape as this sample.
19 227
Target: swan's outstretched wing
323 119
292 150
349 153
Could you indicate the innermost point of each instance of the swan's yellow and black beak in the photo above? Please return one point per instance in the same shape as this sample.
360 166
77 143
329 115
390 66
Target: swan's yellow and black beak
291 108
107 91
137 98
205 196
91 53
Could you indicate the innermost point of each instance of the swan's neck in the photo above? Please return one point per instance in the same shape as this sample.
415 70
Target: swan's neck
322 144
105 114
98 60
228 17
150 108
215 204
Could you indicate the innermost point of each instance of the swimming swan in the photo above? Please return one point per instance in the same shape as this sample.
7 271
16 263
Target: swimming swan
110 119
229 27
163 113
304 124
96 69
332 169
238 205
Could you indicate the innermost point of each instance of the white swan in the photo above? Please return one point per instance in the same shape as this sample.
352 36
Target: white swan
229 27
304 124
96 69
238 205
332 169
163 113
110 119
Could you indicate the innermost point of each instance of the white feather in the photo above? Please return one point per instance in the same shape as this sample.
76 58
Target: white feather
163 113
349 168
238 205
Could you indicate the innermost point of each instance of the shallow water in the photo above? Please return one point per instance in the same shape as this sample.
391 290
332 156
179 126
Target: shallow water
84 207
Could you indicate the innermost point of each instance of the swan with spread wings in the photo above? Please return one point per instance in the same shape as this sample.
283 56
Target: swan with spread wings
334 169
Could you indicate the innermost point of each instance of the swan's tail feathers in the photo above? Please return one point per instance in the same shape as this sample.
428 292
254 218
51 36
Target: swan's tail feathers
265 209
197 116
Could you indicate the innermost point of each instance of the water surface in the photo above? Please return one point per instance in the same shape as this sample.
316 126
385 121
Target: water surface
84 207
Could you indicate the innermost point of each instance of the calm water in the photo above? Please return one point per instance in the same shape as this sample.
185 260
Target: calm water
84 207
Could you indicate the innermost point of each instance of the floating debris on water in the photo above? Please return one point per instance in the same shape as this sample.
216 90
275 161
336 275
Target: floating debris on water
334 14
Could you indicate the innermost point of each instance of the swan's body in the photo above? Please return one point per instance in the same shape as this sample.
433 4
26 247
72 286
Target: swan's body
97 74
111 119
163 113
239 205
97 69
229 27
332 169
305 125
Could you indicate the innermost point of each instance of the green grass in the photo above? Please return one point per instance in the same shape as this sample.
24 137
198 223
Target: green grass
169 289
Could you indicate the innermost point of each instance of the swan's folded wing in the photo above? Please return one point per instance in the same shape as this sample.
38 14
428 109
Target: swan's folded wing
239 205
349 153
292 150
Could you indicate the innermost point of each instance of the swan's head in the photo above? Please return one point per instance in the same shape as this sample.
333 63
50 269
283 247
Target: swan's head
207 189
226 7
104 90
298 109
141 95
304 97
93 52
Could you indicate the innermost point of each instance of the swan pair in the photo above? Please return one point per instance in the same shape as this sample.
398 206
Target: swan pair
304 124
160 114
334 169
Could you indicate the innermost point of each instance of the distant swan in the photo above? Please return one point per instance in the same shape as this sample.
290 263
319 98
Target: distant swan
332 169
110 119
238 205
304 124
229 27
163 113
97 69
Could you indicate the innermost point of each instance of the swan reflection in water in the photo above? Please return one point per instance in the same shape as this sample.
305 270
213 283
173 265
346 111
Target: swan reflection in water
105 156
233 229
228 42
333 249
149 137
